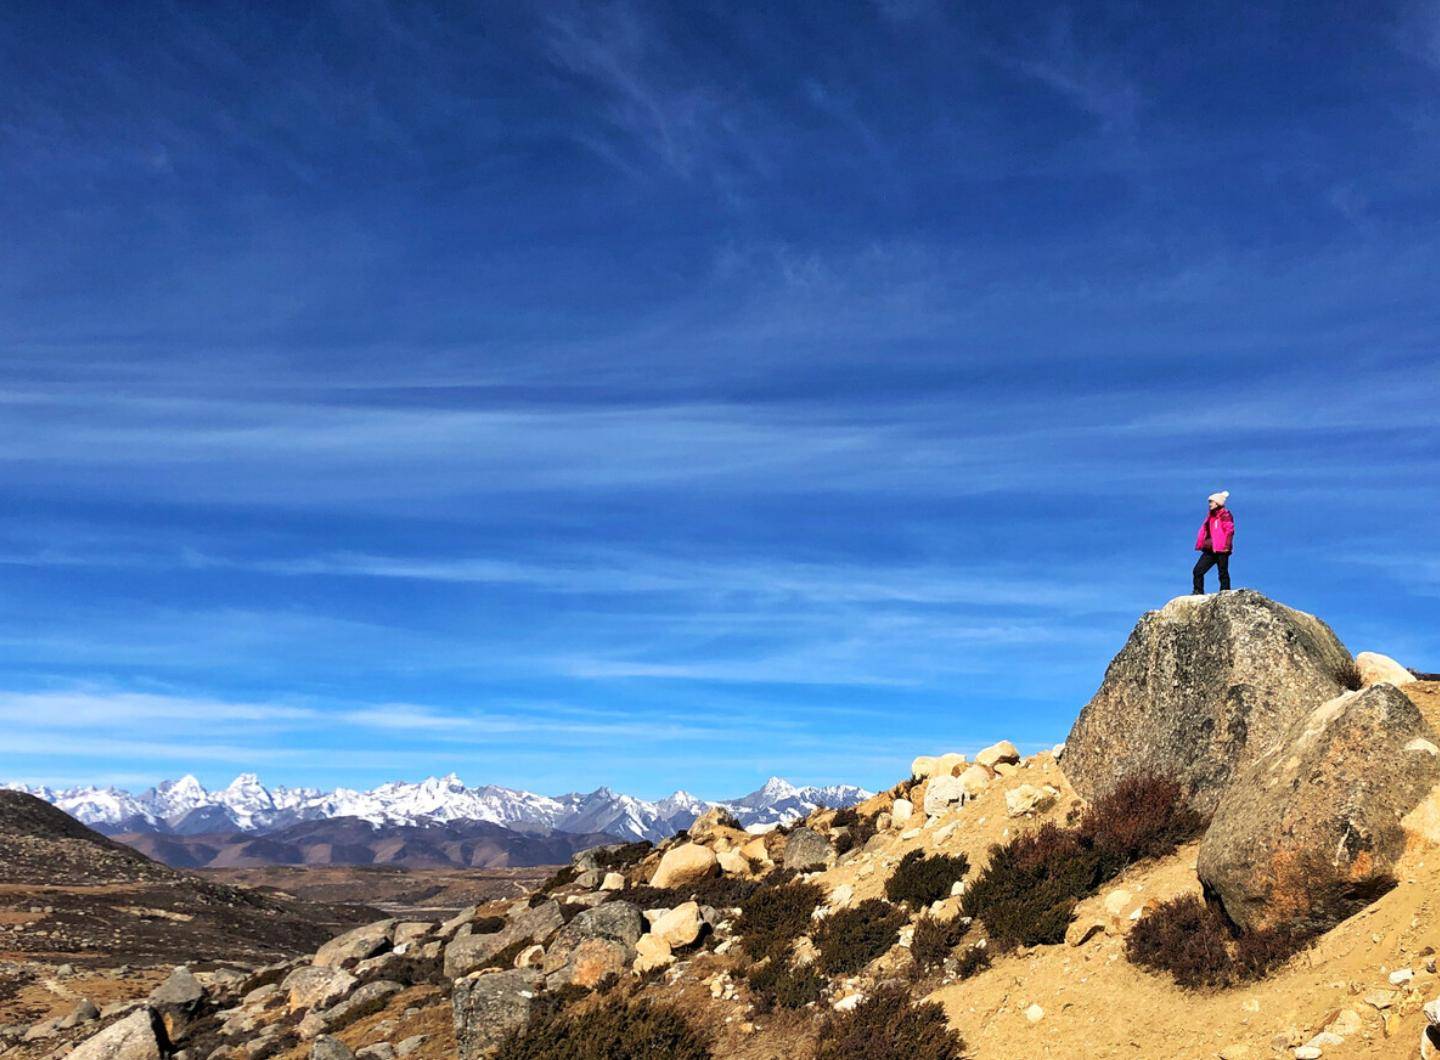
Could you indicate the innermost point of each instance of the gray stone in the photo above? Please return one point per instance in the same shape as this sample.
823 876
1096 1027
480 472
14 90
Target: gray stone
328 1048
81 1013
180 1001
488 1007
316 988
406 1046
378 1051
469 953
369 999
137 1037
806 850
355 945
1320 811
596 942
1203 688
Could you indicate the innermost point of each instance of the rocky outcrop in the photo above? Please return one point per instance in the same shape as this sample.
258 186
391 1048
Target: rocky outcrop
535 924
597 943
488 1007
1318 816
1203 688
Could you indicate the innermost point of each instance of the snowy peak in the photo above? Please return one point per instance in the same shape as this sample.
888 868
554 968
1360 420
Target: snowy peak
185 807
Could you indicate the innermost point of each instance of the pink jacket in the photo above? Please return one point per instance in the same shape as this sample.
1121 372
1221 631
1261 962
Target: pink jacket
1217 532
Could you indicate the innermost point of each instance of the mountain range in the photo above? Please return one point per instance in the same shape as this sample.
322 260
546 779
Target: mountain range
185 807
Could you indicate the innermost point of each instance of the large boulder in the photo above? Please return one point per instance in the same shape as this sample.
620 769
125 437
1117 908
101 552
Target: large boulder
1378 669
685 864
316 988
1318 817
534 924
179 1000
807 850
597 942
139 1036
355 945
489 1007
1204 687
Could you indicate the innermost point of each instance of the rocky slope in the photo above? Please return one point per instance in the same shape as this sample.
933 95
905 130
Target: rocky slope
981 899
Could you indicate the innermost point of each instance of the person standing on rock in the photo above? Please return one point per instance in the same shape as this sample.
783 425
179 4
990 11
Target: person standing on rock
1215 542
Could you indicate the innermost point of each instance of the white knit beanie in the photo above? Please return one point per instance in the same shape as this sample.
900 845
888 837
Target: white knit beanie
1221 497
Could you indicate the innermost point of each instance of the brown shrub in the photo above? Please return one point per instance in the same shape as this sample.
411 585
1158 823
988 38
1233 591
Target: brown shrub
774 917
1348 675
622 857
1141 817
1027 892
935 940
851 938
777 983
1195 943
920 880
973 961
613 1030
889 1026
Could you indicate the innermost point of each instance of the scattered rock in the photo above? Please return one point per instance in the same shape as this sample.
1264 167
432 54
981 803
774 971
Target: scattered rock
80 1014
652 952
807 850
685 864
316 988
680 926
327 1048
370 998
406 1046
732 863
942 793
1203 688
900 812
378 1051
996 753
530 957
488 1007
1027 799
975 780
1034 1014
1319 811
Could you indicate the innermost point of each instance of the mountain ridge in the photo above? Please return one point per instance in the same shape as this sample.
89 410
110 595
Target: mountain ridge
185 807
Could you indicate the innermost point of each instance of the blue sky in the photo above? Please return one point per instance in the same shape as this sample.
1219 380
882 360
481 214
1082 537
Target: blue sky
671 395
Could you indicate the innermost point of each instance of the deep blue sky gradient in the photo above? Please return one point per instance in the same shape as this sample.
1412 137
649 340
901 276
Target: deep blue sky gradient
671 395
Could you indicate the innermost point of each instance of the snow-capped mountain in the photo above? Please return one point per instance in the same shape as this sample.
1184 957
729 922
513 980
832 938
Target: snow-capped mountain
185 807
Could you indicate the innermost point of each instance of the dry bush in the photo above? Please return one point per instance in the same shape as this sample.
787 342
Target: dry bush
851 938
776 983
889 1026
1348 675
622 857
562 878
1026 894
973 961
1195 943
935 940
921 880
858 830
1141 817
613 1030
775 916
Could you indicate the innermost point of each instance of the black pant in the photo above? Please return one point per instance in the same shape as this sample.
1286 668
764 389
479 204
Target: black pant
1207 560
